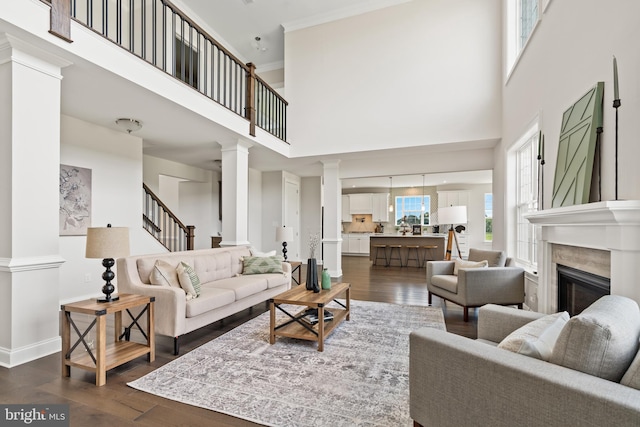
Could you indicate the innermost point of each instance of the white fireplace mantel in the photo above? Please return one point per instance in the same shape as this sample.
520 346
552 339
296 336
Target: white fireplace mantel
610 225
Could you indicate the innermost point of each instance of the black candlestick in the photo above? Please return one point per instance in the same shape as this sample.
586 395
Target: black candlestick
616 105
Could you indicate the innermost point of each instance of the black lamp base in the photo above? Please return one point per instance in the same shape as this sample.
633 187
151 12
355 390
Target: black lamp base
108 276
284 250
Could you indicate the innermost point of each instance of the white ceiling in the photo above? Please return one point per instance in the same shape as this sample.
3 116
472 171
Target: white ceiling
238 22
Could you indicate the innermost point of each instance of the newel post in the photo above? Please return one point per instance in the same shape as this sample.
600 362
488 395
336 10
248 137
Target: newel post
191 235
61 19
250 110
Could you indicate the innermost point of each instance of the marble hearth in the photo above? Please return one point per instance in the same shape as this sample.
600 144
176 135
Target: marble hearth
602 238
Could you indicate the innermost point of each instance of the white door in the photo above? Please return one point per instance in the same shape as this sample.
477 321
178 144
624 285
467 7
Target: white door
292 217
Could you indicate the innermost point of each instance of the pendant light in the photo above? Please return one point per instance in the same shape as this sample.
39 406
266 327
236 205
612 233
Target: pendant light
423 207
390 194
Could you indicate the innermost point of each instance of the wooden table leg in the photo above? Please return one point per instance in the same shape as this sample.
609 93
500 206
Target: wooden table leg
101 350
151 335
117 325
349 303
321 327
272 322
66 342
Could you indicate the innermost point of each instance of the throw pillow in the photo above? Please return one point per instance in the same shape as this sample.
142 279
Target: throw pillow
537 338
164 274
262 254
189 280
602 340
460 263
262 265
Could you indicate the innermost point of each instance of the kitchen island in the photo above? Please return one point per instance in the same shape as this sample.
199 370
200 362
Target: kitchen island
438 240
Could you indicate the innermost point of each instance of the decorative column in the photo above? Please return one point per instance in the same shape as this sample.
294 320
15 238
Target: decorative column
332 241
235 193
30 83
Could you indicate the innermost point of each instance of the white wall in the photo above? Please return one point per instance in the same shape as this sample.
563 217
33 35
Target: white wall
571 50
310 213
115 160
255 207
423 72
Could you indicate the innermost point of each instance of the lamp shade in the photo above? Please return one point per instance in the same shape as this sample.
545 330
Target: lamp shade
452 215
284 234
107 242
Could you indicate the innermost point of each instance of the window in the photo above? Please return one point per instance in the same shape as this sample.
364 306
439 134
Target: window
523 16
526 197
488 217
528 16
411 208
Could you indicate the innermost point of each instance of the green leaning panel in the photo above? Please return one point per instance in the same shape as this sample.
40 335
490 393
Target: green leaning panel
576 150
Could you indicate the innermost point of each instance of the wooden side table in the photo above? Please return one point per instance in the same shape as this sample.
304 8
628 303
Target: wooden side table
296 265
107 356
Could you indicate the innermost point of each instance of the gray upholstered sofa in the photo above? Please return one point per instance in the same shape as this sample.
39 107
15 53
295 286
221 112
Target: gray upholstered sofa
500 283
458 381
224 289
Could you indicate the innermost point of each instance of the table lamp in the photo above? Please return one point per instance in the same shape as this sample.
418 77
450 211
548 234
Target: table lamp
284 235
452 215
107 243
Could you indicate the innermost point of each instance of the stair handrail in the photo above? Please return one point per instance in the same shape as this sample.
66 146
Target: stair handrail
175 236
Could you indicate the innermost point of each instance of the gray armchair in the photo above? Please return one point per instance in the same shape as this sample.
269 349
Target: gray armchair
501 283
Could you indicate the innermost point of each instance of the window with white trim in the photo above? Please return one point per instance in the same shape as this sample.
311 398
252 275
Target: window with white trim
526 197
523 15
413 209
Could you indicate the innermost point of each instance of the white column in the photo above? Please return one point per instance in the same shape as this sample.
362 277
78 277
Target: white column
235 193
30 84
332 241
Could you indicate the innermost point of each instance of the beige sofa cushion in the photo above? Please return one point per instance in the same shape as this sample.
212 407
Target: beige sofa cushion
243 286
210 298
602 340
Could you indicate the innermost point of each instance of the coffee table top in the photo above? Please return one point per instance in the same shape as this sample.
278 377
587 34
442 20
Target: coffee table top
301 296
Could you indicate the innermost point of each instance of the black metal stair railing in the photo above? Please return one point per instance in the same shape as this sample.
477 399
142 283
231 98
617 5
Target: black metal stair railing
162 224
159 33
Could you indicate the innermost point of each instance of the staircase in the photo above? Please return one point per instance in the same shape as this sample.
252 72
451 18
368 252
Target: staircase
162 224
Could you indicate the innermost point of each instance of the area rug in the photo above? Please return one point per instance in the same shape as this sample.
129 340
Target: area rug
360 379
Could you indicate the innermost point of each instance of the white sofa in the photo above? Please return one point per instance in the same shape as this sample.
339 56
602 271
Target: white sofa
592 377
224 289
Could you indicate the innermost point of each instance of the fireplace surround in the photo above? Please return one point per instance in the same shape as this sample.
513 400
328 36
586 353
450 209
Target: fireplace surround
602 238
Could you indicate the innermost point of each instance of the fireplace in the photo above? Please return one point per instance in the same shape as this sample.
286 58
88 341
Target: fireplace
602 238
578 289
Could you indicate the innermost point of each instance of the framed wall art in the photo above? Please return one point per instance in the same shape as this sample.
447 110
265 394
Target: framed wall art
75 200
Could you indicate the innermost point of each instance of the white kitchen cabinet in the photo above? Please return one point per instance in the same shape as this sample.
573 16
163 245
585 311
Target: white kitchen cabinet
345 243
360 203
356 243
346 213
380 207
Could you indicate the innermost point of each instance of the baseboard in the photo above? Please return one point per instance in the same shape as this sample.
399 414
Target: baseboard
10 358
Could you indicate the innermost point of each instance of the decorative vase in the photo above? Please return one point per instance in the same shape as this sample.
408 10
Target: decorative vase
326 279
312 275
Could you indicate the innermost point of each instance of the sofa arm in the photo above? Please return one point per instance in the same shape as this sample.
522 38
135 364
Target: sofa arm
170 305
436 268
454 380
497 285
495 322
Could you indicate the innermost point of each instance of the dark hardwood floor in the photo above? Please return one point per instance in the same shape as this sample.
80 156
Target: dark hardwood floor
115 404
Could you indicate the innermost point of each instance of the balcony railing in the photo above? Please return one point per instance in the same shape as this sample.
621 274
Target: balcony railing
159 33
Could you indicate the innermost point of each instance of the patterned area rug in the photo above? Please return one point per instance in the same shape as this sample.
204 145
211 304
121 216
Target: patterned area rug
361 378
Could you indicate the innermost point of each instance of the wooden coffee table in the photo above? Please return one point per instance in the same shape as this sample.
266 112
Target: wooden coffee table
296 326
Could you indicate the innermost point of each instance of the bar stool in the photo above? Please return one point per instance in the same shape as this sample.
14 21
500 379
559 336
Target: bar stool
397 252
428 250
415 250
376 255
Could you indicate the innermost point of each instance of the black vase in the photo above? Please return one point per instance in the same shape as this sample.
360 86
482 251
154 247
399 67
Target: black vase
312 275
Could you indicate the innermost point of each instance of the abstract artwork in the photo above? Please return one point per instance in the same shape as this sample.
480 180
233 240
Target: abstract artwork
75 200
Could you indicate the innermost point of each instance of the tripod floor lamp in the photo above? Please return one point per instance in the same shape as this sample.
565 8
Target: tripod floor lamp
452 215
